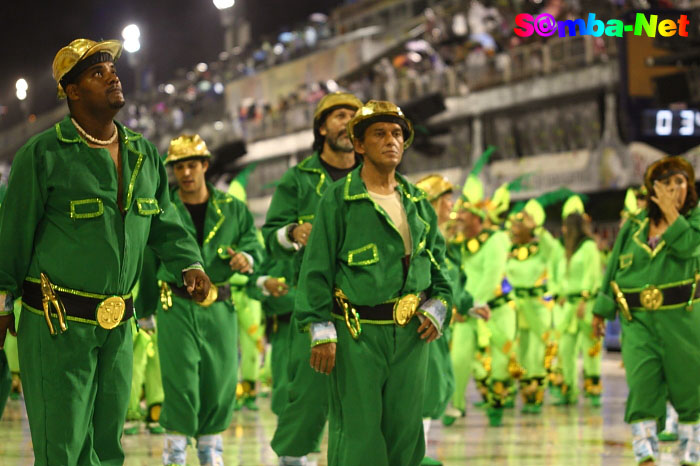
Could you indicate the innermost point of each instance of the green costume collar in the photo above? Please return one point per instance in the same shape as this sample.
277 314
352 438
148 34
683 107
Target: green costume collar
474 245
523 252
313 164
216 198
66 132
355 188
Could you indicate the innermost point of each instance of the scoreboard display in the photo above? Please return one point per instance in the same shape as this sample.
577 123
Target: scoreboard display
675 123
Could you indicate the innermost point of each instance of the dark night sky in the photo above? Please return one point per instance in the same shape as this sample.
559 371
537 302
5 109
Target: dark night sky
174 34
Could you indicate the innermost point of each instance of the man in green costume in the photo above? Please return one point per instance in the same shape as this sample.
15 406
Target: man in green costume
527 271
84 200
375 259
288 224
652 279
197 341
483 258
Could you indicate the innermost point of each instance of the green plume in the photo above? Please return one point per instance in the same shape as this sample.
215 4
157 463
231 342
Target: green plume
482 161
517 184
239 183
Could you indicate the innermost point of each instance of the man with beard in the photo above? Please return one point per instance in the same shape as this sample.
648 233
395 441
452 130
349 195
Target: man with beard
287 227
84 199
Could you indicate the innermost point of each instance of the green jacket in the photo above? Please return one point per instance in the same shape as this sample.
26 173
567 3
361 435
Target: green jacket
582 272
461 299
633 264
227 223
274 268
486 266
295 200
356 247
60 215
532 270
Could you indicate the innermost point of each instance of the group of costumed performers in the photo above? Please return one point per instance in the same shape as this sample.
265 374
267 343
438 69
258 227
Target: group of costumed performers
380 299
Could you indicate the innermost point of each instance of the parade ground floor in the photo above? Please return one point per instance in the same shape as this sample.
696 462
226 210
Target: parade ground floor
572 435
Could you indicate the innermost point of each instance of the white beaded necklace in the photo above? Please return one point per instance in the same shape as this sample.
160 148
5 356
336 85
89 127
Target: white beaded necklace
94 140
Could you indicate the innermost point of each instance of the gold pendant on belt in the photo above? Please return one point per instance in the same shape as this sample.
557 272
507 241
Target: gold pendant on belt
405 309
651 298
211 297
110 312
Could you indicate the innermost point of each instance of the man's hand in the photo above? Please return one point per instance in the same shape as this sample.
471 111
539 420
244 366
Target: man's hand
484 312
581 309
276 287
598 326
664 197
427 331
239 262
7 323
198 284
323 358
301 233
457 317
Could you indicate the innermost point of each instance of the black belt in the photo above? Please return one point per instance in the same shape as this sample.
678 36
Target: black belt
77 306
529 292
224 292
582 295
672 295
498 302
384 311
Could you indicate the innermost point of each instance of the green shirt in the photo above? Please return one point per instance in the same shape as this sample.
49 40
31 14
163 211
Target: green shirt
531 270
633 264
582 272
486 266
61 217
227 223
356 247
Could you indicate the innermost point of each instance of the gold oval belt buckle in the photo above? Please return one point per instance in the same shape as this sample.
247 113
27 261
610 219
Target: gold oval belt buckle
651 298
405 309
110 312
211 297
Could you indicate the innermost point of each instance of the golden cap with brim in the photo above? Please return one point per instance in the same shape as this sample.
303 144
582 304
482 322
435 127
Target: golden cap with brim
335 99
76 51
381 110
675 163
435 186
187 146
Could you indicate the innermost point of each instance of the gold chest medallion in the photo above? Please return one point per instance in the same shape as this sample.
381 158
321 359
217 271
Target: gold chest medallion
110 312
405 309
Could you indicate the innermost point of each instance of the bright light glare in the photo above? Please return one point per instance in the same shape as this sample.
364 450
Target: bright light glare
202 67
131 35
223 4
21 95
169 89
21 84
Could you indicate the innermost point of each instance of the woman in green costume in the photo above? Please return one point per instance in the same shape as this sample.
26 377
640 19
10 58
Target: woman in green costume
652 280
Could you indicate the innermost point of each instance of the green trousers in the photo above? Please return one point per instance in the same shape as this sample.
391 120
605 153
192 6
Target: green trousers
11 342
76 390
576 336
440 380
279 359
198 361
250 332
376 397
5 381
661 357
502 329
462 354
302 420
534 332
146 374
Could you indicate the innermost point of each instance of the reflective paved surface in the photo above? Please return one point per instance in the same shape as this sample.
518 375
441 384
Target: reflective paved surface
576 435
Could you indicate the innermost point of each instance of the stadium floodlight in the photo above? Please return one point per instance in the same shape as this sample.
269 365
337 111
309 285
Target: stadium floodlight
131 35
224 4
22 87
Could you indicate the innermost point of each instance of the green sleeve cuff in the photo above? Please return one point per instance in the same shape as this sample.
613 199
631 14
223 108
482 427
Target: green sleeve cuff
605 306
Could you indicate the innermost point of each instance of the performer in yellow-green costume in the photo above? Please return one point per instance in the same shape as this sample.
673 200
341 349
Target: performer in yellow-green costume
527 272
84 199
652 280
579 274
289 221
197 341
372 293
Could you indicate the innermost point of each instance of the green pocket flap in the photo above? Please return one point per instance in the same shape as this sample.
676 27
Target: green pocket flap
86 208
366 255
626 260
147 206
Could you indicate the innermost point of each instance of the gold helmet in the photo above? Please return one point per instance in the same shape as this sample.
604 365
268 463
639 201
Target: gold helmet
325 106
185 147
72 59
435 186
380 111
